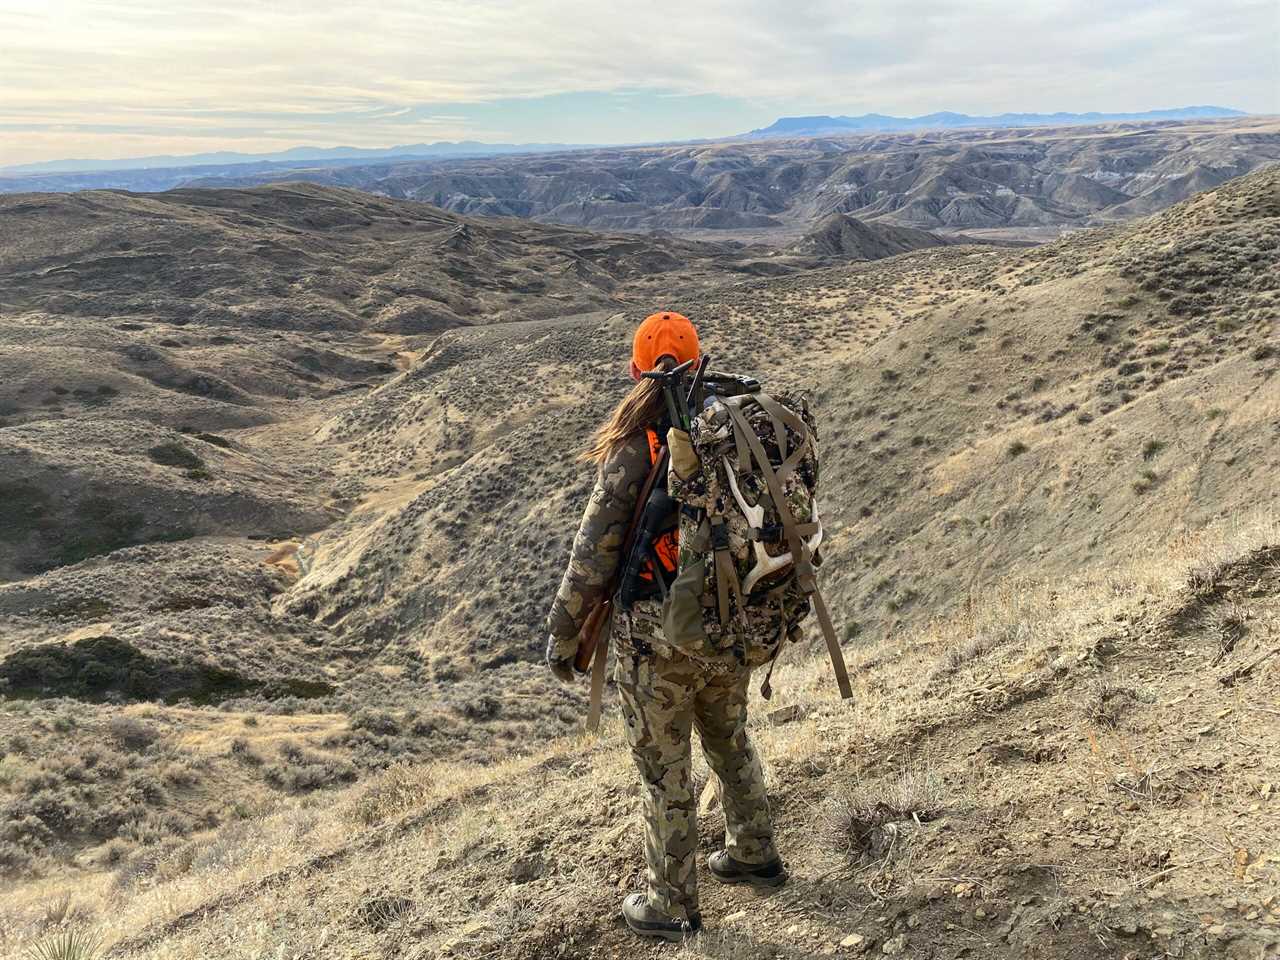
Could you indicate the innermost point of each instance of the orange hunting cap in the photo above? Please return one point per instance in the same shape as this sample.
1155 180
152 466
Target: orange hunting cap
664 334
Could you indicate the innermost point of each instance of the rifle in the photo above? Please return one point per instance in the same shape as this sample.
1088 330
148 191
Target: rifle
699 374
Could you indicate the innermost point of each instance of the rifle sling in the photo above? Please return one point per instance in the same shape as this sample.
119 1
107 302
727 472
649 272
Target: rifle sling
597 675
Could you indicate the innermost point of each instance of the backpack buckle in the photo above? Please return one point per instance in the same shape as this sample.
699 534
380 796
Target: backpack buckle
719 536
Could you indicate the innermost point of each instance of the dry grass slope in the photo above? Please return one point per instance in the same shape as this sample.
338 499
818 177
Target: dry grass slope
1052 549
1066 772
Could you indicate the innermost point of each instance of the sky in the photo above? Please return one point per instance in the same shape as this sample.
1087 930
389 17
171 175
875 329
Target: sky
108 79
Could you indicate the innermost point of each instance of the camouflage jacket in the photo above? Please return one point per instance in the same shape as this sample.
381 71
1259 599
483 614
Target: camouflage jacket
597 547
594 560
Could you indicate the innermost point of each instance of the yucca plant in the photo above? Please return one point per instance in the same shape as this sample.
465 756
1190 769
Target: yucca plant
68 945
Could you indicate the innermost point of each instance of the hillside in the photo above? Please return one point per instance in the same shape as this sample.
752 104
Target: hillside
849 238
1052 530
301 256
1023 182
1011 181
1071 772
131 321
175 374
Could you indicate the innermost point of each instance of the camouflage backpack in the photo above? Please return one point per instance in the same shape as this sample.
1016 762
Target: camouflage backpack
749 531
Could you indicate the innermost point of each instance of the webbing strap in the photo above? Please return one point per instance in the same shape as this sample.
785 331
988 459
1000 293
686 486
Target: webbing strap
744 435
779 412
723 564
780 415
833 646
805 573
766 535
723 576
597 679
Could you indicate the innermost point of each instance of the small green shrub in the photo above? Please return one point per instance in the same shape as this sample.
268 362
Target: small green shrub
1016 449
15 859
174 455
214 439
300 770
375 721
1146 480
132 733
243 751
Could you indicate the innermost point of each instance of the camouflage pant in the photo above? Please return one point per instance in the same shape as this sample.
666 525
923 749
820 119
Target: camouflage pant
663 698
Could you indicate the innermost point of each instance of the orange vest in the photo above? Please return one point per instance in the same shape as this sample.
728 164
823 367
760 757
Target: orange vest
667 546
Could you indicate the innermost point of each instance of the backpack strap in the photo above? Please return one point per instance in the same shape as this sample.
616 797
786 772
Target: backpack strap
766 688
803 563
744 433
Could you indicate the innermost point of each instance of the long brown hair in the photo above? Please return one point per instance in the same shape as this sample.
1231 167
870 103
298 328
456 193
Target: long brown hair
642 407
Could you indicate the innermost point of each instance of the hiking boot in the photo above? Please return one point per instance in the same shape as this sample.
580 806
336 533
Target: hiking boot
728 870
648 922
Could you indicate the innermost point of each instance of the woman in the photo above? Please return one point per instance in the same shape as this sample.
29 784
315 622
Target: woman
665 691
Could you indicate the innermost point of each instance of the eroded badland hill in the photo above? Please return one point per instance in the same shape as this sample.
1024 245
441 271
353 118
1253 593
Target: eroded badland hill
1028 182
1017 183
288 481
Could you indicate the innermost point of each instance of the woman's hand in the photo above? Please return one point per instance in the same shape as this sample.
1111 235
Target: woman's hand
563 670
560 661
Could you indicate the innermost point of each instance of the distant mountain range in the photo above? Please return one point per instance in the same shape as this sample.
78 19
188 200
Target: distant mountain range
443 148
816 126
826 126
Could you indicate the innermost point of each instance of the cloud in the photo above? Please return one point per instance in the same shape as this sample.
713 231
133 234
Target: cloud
355 69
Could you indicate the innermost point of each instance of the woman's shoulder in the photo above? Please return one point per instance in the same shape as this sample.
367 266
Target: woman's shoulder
628 463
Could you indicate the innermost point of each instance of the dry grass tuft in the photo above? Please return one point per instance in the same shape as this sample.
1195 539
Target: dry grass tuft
868 823
957 657
1106 702
401 788
1228 624
382 913
1203 577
